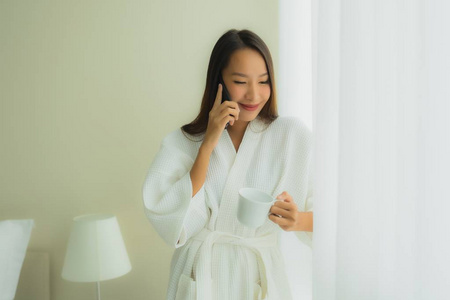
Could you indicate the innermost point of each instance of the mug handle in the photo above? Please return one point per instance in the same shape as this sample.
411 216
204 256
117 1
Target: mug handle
272 203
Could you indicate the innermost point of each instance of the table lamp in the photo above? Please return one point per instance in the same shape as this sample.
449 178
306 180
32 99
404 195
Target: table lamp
95 251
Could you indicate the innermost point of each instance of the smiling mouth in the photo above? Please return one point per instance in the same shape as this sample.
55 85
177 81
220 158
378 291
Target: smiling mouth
249 107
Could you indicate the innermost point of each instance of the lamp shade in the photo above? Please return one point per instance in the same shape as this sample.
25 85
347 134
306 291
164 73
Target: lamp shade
96 250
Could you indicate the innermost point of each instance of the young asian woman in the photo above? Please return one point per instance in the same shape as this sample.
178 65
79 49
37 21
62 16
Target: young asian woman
191 189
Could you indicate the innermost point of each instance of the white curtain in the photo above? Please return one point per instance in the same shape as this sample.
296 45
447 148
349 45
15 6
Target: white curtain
382 139
294 87
294 80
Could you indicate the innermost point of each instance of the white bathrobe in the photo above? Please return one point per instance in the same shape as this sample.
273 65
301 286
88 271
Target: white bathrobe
217 257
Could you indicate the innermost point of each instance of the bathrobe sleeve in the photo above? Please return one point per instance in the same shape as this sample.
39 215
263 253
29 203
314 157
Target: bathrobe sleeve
167 194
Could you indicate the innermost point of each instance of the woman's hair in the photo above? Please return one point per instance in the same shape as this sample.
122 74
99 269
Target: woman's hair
227 44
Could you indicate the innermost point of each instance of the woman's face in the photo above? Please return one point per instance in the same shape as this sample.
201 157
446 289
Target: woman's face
247 81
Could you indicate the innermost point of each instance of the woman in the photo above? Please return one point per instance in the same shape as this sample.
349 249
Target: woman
191 190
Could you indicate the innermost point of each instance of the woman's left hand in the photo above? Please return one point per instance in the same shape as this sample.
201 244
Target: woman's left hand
287 209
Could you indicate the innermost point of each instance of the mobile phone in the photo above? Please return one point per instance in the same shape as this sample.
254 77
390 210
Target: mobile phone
225 94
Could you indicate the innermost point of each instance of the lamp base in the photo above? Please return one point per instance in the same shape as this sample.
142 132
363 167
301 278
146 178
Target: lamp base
98 290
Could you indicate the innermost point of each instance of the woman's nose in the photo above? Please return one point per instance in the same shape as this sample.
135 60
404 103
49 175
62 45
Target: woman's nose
252 92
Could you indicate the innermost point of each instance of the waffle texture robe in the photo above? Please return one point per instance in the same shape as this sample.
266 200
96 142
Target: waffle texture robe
217 257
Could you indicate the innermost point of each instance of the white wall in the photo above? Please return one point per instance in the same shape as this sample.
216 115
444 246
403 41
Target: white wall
88 89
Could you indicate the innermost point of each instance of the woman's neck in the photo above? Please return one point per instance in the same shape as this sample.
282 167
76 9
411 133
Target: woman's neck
236 133
238 128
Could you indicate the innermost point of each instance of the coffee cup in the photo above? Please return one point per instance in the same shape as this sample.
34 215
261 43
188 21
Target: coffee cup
253 207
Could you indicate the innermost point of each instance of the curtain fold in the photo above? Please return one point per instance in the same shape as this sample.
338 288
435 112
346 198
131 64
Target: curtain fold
294 76
381 124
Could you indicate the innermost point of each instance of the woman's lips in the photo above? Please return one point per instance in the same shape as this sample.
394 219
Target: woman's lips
249 107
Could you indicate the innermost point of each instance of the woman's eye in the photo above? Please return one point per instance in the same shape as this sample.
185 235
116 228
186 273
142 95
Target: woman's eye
239 82
265 82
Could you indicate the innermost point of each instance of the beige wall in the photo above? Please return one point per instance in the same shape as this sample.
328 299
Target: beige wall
88 89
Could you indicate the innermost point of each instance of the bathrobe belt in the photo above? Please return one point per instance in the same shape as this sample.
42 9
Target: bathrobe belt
256 244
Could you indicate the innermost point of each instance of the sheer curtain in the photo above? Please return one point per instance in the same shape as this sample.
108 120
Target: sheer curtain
382 162
294 87
295 60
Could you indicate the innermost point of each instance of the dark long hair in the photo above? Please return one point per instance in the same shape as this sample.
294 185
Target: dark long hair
227 44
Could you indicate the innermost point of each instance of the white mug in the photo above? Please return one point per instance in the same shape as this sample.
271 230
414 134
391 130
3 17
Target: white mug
253 207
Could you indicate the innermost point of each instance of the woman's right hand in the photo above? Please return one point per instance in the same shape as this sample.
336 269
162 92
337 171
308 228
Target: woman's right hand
219 116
